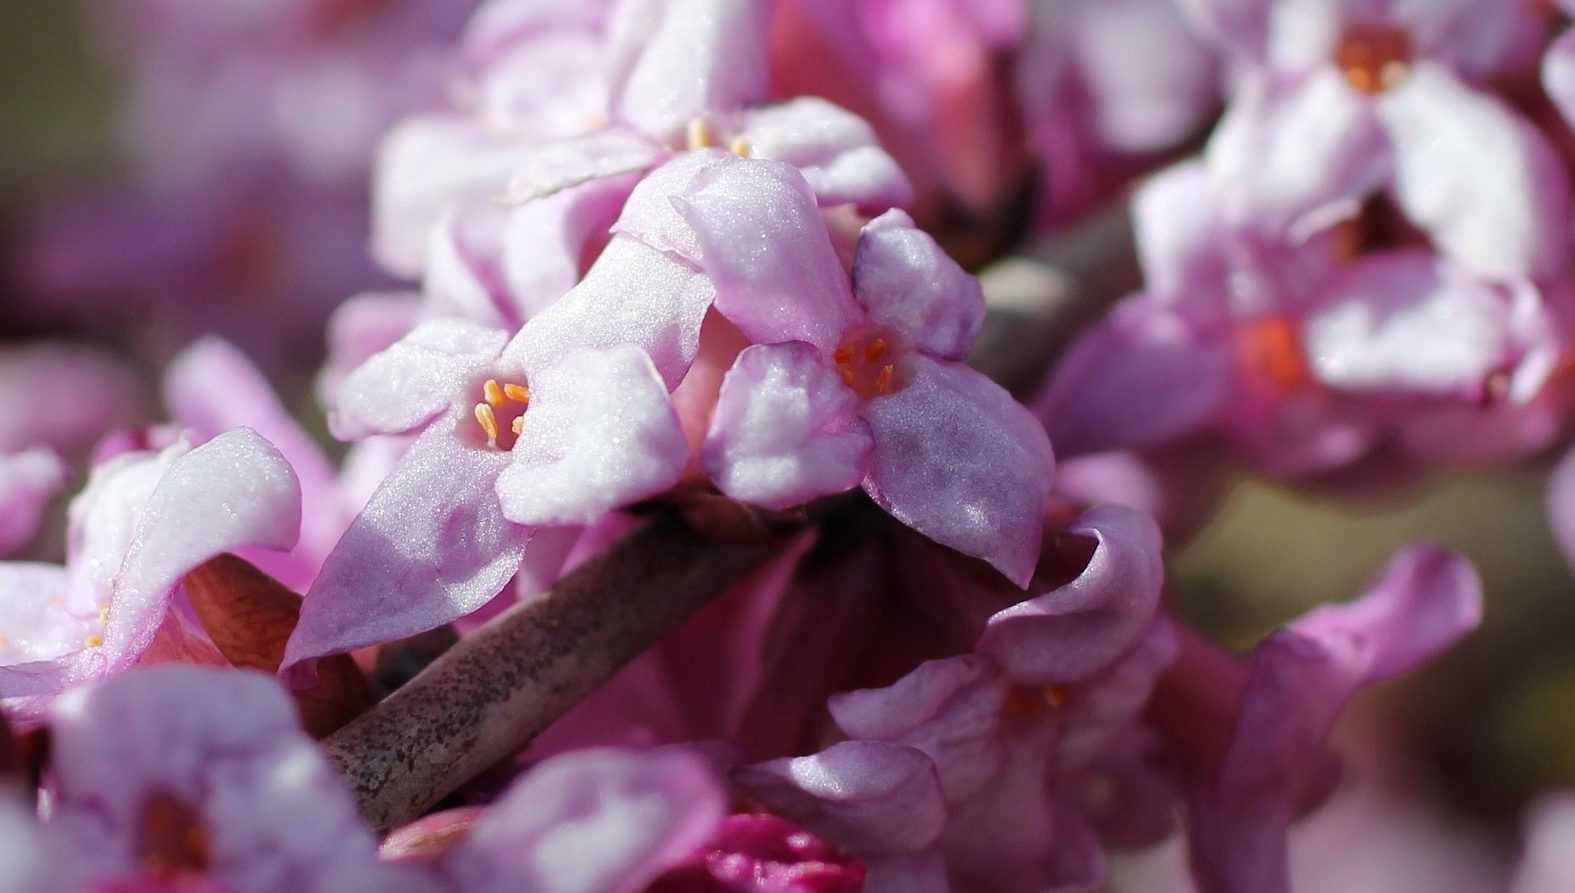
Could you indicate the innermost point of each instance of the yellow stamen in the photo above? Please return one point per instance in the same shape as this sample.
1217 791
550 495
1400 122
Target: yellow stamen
883 380
488 421
875 349
103 613
740 147
698 135
493 393
93 641
517 392
517 425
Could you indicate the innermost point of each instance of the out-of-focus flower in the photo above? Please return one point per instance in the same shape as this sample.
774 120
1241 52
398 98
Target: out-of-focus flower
1106 88
65 396
193 779
1337 102
27 481
145 519
1558 68
1248 736
1547 865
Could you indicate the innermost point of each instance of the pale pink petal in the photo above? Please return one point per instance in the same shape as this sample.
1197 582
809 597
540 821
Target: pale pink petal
904 280
427 164
419 377
592 821
1407 322
28 480
950 709
463 277
677 60
1558 74
545 84
1140 378
960 461
88 393
650 215
1548 863
34 622
633 295
1178 231
1296 157
1068 634
835 150
868 797
1510 215
549 242
600 434
786 429
360 327
553 167
235 490
432 545
1240 27
765 245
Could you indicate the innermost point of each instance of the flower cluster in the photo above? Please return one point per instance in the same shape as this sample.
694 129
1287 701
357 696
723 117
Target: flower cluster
660 325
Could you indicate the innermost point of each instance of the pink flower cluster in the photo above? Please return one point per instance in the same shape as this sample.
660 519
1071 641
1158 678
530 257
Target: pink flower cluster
715 259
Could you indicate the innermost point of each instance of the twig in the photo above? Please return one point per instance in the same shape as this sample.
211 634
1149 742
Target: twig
495 690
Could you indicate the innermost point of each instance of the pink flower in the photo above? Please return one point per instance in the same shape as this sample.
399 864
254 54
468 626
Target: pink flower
507 441
193 779
145 519
28 479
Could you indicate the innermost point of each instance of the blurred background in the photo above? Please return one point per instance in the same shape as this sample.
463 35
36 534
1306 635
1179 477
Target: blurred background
1443 764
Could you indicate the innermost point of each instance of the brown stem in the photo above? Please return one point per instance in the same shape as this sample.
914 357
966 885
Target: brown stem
495 690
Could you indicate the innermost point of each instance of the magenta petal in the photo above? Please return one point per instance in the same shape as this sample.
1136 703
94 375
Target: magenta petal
600 434
416 379
950 709
1068 634
235 490
432 545
905 280
633 295
835 150
591 821
1511 217
786 429
28 479
764 243
960 461
869 797
1300 679
674 61
547 241
1140 378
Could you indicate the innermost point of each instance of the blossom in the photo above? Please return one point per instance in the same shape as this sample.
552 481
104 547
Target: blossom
145 519
1249 736
27 481
506 441
1545 865
199 779
1339 101
647 81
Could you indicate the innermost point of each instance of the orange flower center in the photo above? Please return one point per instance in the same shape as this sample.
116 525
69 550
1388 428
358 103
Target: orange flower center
1270 351
501 412
1374 58
867 362
1030 701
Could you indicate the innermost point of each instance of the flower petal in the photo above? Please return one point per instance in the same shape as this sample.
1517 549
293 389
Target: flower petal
549 241
553 167
674 61
431 545
600 434
868 797
1509 216
764 243
1406 322
235 490
28 479
1077 630
361 327
836 151
34 622
415 380
786 429
591 821
960 461
1558 74
1140 378
903 279
633 295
